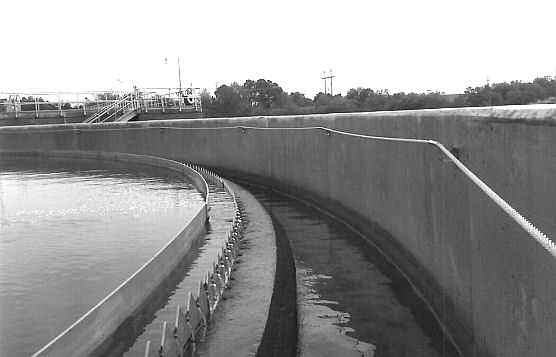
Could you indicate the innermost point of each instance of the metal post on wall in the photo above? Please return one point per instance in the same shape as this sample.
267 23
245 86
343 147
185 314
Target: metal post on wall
180 98
60 104
84 105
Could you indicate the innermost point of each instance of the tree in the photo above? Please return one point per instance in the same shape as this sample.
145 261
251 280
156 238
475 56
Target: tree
207 103
231 100
299 99
359 96
264 97
262 92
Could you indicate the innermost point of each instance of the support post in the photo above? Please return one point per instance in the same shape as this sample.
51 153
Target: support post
60 105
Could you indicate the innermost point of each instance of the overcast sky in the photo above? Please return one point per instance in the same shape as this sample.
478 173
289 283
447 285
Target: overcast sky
400 45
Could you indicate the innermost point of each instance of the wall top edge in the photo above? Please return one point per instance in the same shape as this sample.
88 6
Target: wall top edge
534 114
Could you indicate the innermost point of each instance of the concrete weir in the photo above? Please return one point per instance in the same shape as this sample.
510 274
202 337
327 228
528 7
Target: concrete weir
464 208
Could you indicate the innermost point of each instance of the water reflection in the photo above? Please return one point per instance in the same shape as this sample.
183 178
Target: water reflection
348 303
199 260
70 232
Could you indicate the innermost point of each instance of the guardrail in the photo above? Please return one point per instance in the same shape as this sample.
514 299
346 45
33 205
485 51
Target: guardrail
38 102
94 327
90 102
171 98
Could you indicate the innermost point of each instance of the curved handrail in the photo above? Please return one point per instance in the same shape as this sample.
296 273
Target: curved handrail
524 223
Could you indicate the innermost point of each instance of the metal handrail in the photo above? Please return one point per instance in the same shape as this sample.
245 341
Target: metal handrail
127 102
545 241
91 101
107 109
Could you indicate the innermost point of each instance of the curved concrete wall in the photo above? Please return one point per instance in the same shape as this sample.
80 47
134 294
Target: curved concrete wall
88 333
488 281
201 304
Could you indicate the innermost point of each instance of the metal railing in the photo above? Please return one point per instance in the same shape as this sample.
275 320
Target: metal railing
127 104
171 98
91 102
61 102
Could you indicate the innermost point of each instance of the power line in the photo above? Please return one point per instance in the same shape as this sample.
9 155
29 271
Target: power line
325 77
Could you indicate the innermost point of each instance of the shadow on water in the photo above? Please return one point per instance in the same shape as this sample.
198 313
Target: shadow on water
347 288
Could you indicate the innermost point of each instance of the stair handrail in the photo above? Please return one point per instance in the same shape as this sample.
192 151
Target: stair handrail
120 106
99 113
116 107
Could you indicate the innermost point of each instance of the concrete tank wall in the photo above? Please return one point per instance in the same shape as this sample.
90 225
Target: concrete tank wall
488 281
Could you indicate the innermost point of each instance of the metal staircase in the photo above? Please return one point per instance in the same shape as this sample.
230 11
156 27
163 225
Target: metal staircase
143 100
124 109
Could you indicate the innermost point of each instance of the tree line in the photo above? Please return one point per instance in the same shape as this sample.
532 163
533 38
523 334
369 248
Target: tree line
264 97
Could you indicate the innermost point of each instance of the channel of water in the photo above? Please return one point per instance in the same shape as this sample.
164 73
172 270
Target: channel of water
350 300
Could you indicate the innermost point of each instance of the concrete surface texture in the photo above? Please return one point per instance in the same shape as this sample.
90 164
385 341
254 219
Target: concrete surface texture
488 281
200 259
236 327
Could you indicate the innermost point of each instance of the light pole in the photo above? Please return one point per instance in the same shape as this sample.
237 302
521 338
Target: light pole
179 73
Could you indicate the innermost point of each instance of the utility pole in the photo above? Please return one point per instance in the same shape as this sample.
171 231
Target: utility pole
331 76
325 77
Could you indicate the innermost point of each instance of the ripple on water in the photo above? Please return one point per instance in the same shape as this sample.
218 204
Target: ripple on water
346 303
71 231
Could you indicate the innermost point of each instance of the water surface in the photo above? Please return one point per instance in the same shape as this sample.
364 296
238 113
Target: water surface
72 231
349 302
